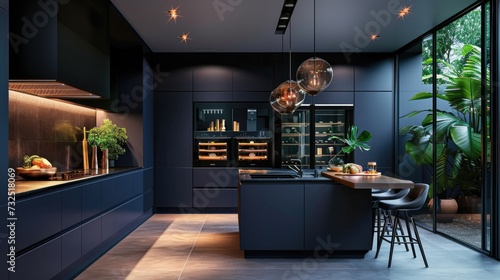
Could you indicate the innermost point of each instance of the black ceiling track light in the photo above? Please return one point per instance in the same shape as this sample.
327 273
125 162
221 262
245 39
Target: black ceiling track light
285 16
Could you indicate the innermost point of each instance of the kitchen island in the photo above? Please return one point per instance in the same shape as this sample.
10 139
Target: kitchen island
285 215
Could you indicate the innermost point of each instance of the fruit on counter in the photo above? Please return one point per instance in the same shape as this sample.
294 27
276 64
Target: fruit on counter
352 168
36 161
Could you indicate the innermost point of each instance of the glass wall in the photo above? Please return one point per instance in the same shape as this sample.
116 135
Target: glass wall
444 125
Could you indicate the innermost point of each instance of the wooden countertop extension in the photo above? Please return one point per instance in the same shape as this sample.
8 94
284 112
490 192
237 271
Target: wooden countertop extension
368 182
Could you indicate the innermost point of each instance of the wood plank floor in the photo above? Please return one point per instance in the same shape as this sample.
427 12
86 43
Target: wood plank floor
206 246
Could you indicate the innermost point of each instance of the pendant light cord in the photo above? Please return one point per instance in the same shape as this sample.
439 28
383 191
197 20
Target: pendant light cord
314 28
290 53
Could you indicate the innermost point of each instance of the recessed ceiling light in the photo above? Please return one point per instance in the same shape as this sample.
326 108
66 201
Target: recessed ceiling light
374 37
174 14
184 37
404 12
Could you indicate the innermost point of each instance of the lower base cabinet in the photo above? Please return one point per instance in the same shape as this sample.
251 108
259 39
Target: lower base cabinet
272 217
43 262
308 216
92 223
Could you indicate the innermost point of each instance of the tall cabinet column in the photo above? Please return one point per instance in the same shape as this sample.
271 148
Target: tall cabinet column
173 150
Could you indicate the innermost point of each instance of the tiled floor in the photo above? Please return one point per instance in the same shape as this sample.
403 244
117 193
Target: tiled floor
206 246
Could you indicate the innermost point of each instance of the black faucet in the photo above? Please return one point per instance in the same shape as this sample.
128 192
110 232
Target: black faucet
296 167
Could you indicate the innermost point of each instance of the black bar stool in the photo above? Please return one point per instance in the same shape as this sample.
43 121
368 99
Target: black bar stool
414 200
383 194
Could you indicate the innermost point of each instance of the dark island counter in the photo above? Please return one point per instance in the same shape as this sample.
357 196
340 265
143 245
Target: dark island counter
311 215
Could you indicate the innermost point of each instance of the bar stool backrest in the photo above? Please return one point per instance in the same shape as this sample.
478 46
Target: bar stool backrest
417 196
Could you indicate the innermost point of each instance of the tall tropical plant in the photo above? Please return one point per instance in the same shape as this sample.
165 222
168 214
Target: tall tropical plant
457 136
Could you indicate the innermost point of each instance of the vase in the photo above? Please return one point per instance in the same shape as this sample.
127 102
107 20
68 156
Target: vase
335 165
105 160
94 162
446 210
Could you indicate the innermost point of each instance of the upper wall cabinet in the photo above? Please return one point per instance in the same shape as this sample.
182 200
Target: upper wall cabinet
253 72
64 42
373 72
212 78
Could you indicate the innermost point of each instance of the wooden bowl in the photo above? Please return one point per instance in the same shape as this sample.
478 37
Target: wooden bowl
36 173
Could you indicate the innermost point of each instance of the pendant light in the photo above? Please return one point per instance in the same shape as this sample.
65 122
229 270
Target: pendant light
288 96
314 74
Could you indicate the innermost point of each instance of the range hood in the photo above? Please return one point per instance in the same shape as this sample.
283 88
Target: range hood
60 49
52 89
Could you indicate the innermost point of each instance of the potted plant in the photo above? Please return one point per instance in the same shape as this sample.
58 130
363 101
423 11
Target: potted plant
457 138
352 141
109 138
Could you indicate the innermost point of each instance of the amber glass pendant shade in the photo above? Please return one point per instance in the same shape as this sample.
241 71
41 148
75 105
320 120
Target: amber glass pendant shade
287 97
314 75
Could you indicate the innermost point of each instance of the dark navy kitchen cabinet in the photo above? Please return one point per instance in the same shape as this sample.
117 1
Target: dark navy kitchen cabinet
173 149
270 220
37 218
333 218
374 111
71 206
71 247
91 199
91 235
215 187
212 78
253 72
373 72
43 262
61 229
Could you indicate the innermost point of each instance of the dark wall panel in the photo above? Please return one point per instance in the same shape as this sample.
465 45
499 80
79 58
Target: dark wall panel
374 111
373 72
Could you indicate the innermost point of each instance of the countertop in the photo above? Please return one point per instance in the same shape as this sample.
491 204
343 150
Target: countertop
280 175
368 182
352 181
25 187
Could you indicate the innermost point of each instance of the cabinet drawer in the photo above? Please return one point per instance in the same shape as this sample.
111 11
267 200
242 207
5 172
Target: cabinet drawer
213 197
44 262
215 177
37 219
71 205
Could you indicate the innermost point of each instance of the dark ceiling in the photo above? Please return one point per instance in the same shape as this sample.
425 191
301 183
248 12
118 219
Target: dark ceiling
249 25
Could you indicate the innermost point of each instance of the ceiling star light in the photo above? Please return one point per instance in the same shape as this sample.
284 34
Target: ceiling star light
174 14
374 37
404 12
184 37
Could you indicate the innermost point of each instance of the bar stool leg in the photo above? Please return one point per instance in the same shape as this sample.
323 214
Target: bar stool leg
407 220
393 237
417 236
